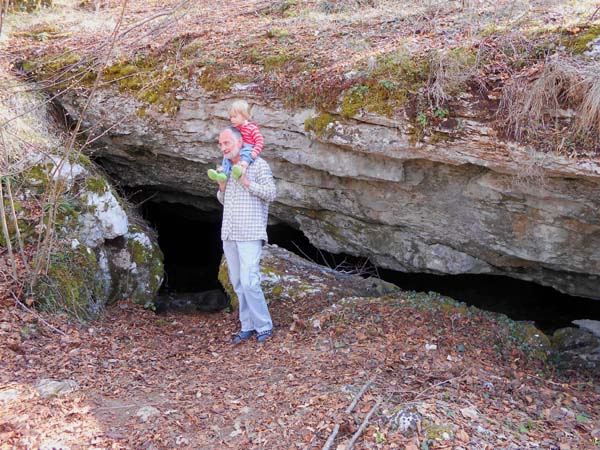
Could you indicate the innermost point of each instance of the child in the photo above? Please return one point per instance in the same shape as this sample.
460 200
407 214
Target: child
239 113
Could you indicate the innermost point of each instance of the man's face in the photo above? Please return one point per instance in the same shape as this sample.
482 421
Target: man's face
230 147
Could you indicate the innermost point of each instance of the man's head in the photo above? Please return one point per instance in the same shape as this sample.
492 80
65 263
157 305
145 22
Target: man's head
230 141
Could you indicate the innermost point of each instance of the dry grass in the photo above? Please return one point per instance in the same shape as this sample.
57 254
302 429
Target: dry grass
586 94
561 97
303 50
24 123
449 71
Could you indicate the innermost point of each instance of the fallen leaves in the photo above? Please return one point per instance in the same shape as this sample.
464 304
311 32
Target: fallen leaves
203 392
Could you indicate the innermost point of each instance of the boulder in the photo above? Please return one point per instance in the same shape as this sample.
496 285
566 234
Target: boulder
102 252
52 388
288 277
576 347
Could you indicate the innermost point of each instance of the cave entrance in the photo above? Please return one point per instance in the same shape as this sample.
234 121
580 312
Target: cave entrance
191 243
548 308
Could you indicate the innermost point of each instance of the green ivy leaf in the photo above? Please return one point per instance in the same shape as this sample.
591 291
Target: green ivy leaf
581 418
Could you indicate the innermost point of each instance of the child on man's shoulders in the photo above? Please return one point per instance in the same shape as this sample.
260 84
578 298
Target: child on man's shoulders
239 114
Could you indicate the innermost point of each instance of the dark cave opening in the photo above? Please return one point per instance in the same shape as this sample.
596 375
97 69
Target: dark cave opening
191 245
190 241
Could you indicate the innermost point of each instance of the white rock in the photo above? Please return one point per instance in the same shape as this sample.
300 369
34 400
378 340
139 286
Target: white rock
9 394
53 445
593 326
180 440
145 412
469 413
50 388
67 171
105 219
430 347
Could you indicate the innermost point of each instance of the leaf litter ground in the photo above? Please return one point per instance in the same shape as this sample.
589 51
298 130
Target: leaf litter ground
197 391
174 381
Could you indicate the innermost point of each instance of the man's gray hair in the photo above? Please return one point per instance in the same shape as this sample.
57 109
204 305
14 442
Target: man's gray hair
235 132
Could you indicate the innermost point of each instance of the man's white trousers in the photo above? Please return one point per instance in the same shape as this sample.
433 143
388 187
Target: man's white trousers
243 258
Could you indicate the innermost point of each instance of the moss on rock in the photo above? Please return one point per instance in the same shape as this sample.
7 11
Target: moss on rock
146 253
71 284
96 185
576 39
319 124
43 32
214 79
27 5
149 79
394 78
227 286
61 70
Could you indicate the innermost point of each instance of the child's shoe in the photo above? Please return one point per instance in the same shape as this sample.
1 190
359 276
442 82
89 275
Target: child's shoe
217 176
237 171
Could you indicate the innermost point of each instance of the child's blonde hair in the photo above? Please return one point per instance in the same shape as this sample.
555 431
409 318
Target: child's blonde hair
240 107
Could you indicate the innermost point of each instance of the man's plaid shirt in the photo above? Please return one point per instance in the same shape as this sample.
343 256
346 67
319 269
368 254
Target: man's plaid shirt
245 210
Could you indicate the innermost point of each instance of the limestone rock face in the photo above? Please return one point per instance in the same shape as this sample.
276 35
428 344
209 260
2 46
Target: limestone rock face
101 254
459 200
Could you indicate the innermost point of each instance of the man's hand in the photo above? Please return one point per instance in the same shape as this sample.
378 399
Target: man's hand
254 155
245 181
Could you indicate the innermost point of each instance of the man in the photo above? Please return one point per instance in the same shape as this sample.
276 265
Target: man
244 230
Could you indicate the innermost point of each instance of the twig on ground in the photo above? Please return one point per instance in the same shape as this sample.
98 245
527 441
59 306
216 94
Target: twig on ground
349 409
364 424
36 315
359 395
441 383
331 437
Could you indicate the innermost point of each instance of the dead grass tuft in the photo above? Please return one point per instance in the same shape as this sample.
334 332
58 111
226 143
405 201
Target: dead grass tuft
23 122
561 96
587 92
449 71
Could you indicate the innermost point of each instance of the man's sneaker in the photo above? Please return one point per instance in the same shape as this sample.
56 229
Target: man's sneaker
216 176
262 336
242 336
237 171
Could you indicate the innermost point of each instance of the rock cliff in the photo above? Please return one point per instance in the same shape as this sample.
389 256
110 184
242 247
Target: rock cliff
456 200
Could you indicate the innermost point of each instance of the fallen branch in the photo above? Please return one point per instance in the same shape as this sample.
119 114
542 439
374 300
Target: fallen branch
364 424
36 315
349 409
359 395
6 235
449 380
331 437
